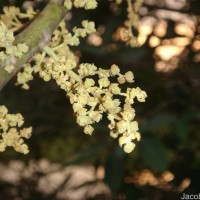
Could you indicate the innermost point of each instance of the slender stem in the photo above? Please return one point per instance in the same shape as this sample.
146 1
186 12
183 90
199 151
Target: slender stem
36 35
74 76
50 52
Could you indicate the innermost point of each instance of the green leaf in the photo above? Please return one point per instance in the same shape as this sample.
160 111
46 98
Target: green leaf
181 129
114 169
158 121
153 153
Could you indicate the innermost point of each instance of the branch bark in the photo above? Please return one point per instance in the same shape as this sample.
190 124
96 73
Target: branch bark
36 35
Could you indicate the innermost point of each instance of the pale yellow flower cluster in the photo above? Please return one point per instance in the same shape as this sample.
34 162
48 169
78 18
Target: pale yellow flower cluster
25 76
92 97
12 17
12 135
12 52
61 61
89 88
87 4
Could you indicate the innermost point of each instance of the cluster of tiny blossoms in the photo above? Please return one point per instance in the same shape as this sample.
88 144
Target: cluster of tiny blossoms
9 52
87 4
11 135
89 89
12 17
60 56
92 97
11 21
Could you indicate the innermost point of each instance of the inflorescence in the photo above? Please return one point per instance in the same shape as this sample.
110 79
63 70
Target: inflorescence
90 90
10 52
11 132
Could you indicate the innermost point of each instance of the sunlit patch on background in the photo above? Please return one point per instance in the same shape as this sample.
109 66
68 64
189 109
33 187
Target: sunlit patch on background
94 39
163 181
153 27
